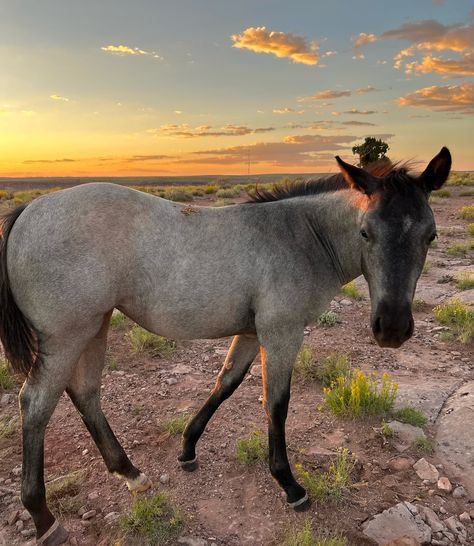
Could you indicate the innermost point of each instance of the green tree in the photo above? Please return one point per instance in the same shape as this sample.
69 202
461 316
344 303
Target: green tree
371 150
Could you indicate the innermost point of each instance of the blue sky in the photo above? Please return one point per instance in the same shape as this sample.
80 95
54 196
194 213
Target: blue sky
180 98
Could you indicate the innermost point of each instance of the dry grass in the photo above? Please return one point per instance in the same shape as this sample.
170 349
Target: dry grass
143 341
253 449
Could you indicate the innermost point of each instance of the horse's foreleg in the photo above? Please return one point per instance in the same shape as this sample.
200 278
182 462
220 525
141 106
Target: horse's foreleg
84 391
241 354
278 353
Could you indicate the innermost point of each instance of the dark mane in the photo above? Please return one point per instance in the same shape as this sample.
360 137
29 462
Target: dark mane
396 176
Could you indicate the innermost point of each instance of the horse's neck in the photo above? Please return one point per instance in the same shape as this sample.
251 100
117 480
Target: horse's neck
332 221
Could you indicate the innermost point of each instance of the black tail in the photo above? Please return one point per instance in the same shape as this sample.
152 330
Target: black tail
17 334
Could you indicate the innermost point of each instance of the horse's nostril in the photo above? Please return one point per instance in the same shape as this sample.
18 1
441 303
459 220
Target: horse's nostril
377 326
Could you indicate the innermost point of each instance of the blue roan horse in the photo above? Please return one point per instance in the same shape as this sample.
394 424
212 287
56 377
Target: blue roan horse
259 271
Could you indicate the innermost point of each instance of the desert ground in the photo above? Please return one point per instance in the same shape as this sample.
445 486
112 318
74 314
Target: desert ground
228 503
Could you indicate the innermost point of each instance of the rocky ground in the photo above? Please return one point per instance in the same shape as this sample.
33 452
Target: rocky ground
397 490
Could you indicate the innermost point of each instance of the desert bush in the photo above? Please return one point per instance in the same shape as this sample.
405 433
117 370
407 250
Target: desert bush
305 536
460 249
460 179
7 380
423 444
467 212
331 485
387 430
143 341
252 449
467 193
178 195
118 320
226 193
359 394
465 281
210 189
8 426
329 318
176 425
459 317
62 494
411 416
442 192
153 520
332 366
304 365
350 289
470 229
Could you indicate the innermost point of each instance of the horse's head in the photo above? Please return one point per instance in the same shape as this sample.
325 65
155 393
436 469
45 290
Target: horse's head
396 227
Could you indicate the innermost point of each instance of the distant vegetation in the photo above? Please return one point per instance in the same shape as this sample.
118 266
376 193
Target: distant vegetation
459 317
350 289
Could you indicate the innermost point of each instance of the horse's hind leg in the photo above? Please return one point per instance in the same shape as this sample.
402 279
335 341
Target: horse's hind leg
241 354
84 390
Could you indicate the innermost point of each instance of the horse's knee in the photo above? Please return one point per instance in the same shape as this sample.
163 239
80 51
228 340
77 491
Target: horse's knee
32 496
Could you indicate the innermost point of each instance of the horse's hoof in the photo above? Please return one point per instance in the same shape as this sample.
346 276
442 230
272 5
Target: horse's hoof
301 505
189 466
140 484
54 536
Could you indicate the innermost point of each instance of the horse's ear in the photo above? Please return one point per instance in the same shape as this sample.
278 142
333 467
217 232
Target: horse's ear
357 178
437 171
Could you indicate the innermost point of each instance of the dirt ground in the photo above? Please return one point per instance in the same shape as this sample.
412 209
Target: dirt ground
229 504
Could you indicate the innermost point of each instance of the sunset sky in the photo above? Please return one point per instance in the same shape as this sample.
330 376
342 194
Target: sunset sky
181 87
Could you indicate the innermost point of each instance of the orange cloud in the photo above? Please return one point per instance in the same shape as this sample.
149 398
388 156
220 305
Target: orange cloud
123 50
184 130
363 38
429 64
329 94
59 97
280 44
445 98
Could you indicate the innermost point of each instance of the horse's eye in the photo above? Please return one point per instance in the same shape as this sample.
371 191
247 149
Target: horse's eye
433 237
364 234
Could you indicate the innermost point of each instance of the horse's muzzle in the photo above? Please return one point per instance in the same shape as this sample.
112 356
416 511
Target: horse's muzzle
392 324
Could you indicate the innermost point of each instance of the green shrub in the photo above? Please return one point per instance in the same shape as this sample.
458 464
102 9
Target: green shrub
118 320
304 364
459 317
143 341
8 426
153 520
467 193
7 380
360 394
443 192
387 430
467 212
178 195
423 444
426 267
304 536
329 318
460 249
332 366
470 229
460 179
350 289
331 485
411 416
252 449
465 281
210 189
62 494
226 193
176 425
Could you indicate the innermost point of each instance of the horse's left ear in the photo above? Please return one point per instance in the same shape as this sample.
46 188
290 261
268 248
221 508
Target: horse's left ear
437 171
357 179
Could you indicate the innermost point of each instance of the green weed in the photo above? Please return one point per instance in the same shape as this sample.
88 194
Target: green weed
465 281
411 416
304 364
8 426
7 380
426 267
423 444
331 485
467 212
460 249
350 289
459 317
467 193
118 320
443 193
176 425
226 193
387 430
252 449
329 318
304 536
143 341
360 394
153 520
470 229
332 366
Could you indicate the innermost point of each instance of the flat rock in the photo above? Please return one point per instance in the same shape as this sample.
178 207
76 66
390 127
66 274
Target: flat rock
445 485
426 471
400 463
405 435
453 445
397 522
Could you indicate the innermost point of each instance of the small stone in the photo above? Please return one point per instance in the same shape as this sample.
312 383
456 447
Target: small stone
465 517
442 510
454 525
346 303
164 479
93 496
11 520
28 533
449 536
111 517
400 463
89 515
171 381
25 515
6 399
431 518
85 451
17 471
19 525
426 471
445 485
82 510
459 492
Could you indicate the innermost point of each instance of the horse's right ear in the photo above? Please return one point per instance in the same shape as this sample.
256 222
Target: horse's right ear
357 179
437 171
